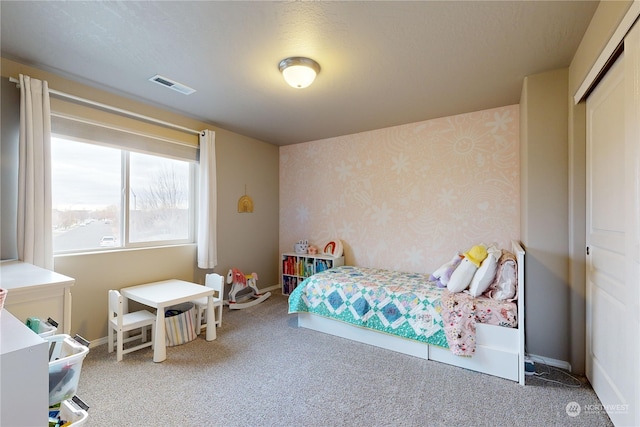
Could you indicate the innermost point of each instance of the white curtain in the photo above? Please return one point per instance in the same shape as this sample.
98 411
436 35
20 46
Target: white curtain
34 174
207 203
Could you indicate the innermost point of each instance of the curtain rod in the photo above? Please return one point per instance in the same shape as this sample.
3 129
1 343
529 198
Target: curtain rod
114 109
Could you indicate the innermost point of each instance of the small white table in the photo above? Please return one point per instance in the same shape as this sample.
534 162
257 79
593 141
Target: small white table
163 294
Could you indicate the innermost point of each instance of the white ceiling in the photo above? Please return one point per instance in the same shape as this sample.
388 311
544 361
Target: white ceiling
383 63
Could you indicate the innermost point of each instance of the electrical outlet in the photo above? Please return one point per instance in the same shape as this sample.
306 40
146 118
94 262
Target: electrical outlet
529 366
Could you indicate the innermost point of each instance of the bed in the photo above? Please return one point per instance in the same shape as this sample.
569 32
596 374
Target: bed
411 320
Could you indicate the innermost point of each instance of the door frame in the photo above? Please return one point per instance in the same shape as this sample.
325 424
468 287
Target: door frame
607 52
632 163
577 188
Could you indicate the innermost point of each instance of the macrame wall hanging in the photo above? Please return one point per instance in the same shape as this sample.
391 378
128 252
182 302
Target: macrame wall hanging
245 204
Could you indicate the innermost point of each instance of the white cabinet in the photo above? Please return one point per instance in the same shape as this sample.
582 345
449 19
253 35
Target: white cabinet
24 374
37 292
296 267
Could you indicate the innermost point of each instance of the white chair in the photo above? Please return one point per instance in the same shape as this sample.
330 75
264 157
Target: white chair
124 322
216 282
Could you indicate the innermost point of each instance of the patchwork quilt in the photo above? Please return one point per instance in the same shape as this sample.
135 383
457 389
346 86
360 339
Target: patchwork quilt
393 302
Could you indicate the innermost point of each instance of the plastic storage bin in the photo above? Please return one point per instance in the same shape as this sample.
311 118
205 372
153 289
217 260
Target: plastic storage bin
46 330
42 327
65 363
69 413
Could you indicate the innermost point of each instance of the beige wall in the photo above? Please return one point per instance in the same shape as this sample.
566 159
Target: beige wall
544 228
553 158
406 197
246 241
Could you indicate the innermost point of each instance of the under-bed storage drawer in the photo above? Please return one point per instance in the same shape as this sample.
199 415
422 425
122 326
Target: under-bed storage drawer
497 337
488 360
363 335
496 353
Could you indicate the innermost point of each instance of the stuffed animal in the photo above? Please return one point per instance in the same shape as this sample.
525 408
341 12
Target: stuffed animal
463 274
442 275
485 275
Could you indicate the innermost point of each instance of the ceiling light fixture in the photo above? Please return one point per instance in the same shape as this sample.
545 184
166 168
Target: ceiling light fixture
299 72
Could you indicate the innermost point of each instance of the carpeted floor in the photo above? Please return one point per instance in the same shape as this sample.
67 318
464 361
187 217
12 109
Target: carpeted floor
264 371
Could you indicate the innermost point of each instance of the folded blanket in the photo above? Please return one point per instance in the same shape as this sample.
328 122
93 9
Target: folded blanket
459 321
504 287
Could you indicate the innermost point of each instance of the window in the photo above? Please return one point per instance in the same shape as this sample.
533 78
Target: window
105 197
159 199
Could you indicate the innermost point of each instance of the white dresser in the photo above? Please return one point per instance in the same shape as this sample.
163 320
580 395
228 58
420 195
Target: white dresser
37 292
24 374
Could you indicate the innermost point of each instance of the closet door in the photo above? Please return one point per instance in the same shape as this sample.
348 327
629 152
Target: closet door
612 240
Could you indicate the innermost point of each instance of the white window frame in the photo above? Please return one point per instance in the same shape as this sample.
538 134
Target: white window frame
125 197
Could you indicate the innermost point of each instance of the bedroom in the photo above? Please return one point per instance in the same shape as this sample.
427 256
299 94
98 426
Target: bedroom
240 232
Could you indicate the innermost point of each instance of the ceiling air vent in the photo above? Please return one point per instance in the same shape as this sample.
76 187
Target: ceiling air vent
172 84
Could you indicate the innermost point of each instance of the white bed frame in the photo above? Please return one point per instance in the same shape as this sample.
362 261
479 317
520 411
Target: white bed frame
499 350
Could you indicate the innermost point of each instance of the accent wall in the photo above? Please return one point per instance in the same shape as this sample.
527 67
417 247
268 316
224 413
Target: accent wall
406 197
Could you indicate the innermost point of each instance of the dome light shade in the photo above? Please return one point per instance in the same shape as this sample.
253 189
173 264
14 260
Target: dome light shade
299 72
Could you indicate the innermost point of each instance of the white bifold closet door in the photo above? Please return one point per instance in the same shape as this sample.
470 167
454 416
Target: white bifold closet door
613 242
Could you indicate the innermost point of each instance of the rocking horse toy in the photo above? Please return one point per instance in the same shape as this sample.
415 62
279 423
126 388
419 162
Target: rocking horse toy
240 281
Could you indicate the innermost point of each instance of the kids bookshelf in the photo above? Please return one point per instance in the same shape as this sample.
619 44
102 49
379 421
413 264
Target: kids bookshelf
296 267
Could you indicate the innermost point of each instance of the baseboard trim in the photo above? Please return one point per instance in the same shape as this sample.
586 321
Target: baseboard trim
99 341
270 288
561 364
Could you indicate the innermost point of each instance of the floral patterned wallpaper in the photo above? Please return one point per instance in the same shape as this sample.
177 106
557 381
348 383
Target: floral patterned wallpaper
406 197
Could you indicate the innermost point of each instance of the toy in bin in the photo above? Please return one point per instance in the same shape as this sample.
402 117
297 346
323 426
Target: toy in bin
68 412
65 362
42 328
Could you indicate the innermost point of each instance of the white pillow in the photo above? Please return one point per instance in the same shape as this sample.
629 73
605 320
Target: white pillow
462 276
486 274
